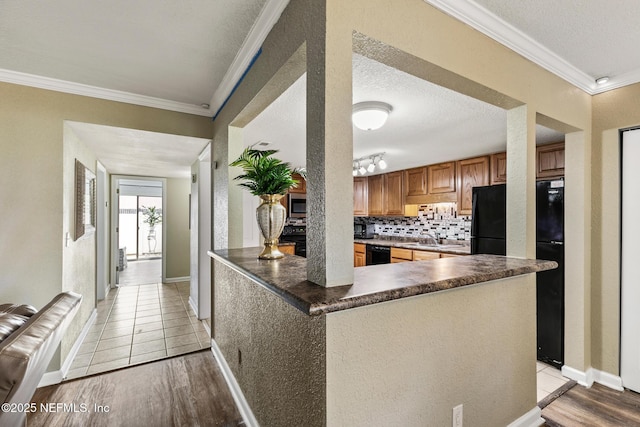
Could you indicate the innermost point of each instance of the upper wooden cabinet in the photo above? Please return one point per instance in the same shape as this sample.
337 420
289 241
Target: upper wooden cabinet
441 178
384 193
498 168
550 160
393 196
375 192
302 184
471 173
415 181
360 196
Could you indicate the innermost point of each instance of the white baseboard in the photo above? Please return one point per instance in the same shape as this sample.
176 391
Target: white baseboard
532 418
592 375
608 380
177 279
194 305
238 397
56 377
206 326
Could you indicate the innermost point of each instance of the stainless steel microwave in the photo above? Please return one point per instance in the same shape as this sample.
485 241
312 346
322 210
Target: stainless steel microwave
297 205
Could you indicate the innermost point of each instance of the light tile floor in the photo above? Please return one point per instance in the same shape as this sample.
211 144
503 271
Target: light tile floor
137 324
549 379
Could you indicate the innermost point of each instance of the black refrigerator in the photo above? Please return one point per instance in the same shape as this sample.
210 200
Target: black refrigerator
488 232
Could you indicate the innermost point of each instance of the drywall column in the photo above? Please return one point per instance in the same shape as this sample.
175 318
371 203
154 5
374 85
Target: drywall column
236 207
521 179
577 237
329 153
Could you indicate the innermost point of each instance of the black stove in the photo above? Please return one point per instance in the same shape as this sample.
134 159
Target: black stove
298 235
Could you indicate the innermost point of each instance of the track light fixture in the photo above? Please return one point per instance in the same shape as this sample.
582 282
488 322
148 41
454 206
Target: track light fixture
374 161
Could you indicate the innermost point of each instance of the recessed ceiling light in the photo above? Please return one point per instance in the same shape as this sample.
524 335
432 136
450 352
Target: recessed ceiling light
263 143
602 80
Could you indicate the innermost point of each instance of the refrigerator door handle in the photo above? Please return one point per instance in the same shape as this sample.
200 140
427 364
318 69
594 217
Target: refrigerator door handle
555 242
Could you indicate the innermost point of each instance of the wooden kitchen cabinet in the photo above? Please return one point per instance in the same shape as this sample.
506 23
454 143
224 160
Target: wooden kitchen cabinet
550 160
471 173
359 255
449 255
360 198
424 255
441 178
375 193
288 249
498 168
393 195
302 184
401 255
415 181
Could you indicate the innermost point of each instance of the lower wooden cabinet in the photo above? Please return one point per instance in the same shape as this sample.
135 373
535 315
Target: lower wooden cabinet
359 255
401 255
449 255
423 255
288 249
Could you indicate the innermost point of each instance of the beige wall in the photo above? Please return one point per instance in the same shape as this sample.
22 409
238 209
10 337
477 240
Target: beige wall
177 251
78 256
612 111
409 362
31 177
464 60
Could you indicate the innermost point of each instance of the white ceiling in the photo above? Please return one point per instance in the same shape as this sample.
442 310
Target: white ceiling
142 153
170 50
179 55
578 40
429 124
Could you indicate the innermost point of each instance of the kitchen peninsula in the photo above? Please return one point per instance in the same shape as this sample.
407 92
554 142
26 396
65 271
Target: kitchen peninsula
403 345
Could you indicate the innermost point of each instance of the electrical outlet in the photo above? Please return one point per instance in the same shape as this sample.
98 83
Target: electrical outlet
457 416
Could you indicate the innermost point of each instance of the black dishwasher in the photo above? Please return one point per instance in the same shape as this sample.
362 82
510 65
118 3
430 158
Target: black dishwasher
378 254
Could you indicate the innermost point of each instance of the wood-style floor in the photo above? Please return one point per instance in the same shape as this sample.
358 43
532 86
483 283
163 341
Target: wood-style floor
598 406
187 390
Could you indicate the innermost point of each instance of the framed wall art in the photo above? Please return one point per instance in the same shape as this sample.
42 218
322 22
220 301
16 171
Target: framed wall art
85 206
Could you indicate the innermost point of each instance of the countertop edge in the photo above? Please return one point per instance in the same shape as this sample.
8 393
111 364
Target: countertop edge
334 299
286 296
424 289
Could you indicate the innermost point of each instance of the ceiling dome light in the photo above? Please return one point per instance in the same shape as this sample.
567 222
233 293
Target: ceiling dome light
370 115
602 80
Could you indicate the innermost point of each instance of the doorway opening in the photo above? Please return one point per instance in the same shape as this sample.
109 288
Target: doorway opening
139 231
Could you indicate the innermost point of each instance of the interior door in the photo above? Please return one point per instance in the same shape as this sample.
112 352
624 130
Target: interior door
630 253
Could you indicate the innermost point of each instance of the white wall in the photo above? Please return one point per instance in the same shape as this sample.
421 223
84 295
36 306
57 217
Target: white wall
200 289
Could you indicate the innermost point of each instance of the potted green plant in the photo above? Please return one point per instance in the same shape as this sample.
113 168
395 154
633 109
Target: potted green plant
152 216
268 178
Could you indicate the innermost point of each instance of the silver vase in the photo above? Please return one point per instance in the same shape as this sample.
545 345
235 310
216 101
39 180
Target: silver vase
271 216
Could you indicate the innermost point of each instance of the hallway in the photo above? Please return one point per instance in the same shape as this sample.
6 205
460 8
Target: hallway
141 272
137 324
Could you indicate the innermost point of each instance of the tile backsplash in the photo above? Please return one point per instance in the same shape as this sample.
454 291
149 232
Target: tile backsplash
440 220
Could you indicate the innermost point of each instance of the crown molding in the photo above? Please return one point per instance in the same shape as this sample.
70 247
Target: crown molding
266 20
64 86
504 33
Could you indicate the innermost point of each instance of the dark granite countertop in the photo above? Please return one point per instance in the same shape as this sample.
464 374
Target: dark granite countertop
287 278
456 249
